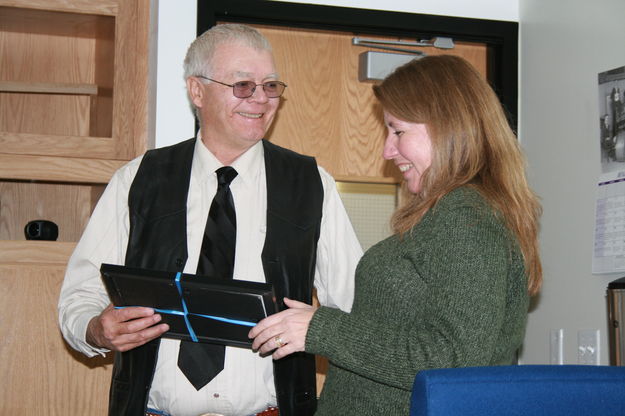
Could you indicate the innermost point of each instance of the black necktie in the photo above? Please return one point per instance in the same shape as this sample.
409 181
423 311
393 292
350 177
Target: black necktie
201 362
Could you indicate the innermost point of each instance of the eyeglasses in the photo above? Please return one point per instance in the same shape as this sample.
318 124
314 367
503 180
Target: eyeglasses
245 89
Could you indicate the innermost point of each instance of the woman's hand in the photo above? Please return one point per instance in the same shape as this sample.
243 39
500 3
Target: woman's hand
284 332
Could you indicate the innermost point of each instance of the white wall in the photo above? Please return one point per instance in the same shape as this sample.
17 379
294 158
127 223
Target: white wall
564 45
176 30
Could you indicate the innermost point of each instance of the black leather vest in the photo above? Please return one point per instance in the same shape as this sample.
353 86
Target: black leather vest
157 204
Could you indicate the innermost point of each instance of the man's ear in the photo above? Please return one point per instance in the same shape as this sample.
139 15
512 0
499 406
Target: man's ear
195 91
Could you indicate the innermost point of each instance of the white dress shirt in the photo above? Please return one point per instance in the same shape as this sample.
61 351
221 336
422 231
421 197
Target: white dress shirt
246 385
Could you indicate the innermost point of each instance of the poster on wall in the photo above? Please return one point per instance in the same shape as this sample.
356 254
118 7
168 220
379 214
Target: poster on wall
612 120
609 238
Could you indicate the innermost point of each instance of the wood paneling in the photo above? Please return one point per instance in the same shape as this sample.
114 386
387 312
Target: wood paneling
103 7
68 206
58 145
60 169
105 48
42 375
49 47
326 112
35 252
130 100
49 115
49 88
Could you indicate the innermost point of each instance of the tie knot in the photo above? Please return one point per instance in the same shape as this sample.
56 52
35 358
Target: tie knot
225 175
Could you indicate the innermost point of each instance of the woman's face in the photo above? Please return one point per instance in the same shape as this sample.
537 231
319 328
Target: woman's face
409 146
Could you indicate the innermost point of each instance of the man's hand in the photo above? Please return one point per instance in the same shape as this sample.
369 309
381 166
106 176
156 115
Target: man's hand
124 329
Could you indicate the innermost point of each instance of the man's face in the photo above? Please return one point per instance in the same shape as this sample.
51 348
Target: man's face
237 123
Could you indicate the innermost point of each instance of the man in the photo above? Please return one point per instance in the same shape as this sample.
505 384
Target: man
607 139
291 228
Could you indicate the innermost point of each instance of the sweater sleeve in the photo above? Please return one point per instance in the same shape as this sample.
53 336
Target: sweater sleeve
452 316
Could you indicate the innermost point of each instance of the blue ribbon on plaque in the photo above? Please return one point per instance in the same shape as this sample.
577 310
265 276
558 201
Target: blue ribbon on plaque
196 308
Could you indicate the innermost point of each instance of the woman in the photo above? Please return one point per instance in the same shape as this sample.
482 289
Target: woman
451 287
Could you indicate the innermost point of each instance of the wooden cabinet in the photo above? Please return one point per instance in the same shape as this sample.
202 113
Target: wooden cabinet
73 79
73 106
73 109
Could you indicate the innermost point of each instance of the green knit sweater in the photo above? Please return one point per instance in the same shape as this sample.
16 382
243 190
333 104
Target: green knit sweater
451 293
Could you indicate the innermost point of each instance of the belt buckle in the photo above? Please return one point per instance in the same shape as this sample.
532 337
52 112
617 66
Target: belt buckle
271 411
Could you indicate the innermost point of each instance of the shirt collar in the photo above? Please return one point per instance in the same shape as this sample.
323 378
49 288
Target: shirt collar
247 165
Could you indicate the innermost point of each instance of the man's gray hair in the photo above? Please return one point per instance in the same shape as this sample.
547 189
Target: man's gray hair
200 53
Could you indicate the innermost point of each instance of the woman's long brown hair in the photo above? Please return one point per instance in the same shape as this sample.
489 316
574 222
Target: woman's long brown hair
472 144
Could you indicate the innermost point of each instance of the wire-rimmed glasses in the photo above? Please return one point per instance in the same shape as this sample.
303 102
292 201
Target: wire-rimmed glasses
245 89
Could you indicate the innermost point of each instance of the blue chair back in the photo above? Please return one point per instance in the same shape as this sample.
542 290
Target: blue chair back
523 390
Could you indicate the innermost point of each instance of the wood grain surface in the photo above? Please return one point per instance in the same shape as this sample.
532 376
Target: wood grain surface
326 111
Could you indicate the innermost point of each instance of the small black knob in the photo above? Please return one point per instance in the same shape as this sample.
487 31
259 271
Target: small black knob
41 230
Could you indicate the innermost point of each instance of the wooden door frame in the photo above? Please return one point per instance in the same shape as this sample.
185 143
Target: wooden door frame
501 37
